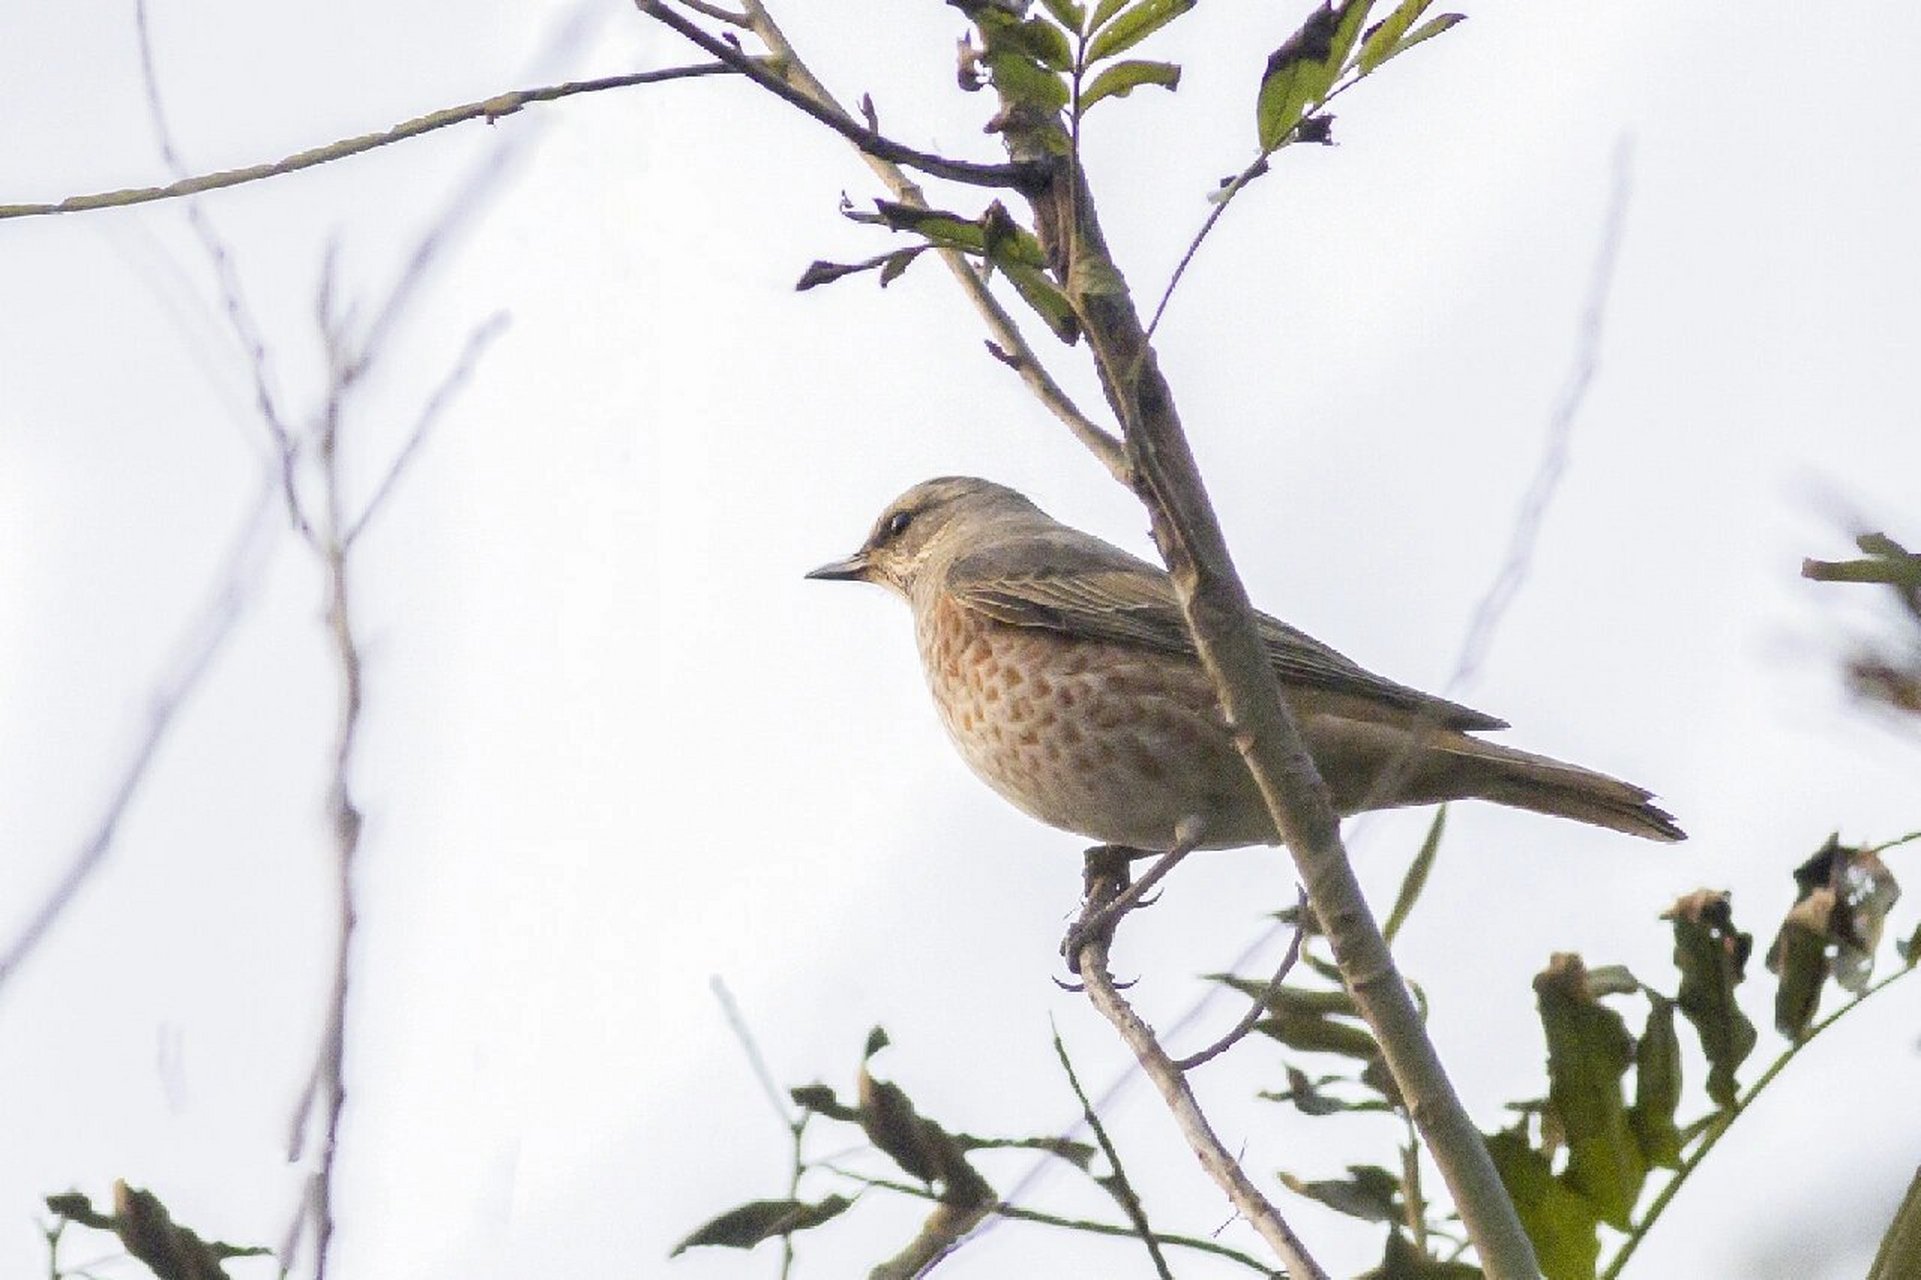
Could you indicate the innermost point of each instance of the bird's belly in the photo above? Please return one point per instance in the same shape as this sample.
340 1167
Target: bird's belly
1114 743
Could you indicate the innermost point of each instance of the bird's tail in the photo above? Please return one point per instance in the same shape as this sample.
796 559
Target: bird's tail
1523 780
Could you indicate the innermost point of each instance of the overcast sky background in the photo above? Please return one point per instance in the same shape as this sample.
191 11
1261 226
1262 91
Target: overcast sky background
615 745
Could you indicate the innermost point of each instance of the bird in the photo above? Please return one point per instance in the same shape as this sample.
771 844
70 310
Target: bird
1064 673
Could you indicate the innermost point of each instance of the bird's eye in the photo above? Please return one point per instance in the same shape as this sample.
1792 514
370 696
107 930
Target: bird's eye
898 522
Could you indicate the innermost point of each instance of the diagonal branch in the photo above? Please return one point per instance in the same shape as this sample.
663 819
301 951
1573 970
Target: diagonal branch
456 378
1007 342
1121 1187
240 573
1014 176
488 109
1220 618
1214 1156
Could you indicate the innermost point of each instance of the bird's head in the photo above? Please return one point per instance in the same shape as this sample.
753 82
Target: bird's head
927 524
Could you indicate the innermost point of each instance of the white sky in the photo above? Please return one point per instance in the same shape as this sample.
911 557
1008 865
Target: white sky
616 745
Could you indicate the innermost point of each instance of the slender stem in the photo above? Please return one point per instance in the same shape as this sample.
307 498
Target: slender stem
1122 1189
488 109
1226 196
1016 1213
1214 1156
1726 1119
1011 176
1007 342
1259 1004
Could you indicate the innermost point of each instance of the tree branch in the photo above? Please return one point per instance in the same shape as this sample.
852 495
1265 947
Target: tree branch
239 574
1010 345
1220 618
1121 1188
1007 176
1167 1078
488 109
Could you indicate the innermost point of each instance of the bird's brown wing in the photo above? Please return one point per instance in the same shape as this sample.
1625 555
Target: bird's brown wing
1080 586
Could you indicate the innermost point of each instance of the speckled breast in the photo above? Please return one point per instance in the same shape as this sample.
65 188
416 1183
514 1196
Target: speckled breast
1114 743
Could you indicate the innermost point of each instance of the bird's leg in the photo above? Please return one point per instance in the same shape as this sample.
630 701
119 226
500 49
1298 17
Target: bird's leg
1109 896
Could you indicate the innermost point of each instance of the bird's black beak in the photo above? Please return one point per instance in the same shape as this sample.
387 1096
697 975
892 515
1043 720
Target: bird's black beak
852 569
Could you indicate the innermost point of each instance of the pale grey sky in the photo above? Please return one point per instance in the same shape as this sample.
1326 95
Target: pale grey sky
616 745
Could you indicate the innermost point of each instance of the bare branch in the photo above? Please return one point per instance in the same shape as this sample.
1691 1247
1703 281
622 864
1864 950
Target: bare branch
1259 1006
1016 1213
240 573
719 14
450 386
1560 429
1007 176
1122 1189
1215 1158
1220 618
488 109
1007 341
240 318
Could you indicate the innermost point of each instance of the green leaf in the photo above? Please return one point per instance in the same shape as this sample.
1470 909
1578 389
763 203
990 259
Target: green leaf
995 233
1103 14
1126 76
1390 38
1657 1086
1562 1223
1287 999
1712 956
1378 44
1035 38
1427 31
1369 1192
1066 12
1416 878
896 263
1799 957
919 1146
1048 302
1308 1099
1312 1033
1900 1251
1588 1055
747 1225
1405 1261
1301 72
1024 82
1137 22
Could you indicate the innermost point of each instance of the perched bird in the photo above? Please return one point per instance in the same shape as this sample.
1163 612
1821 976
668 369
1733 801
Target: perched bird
1065 674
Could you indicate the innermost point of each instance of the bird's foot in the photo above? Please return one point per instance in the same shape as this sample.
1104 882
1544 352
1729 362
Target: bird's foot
1108 895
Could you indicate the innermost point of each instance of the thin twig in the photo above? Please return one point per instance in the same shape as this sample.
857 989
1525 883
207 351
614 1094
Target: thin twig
1007 341
1015 1213
1004 176
1541 491
1117 1183
1225 196
239 574
240 318
450 386
1259 1004
1215 1158
345 812
795 1122
488 109
1725 1120
719 14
